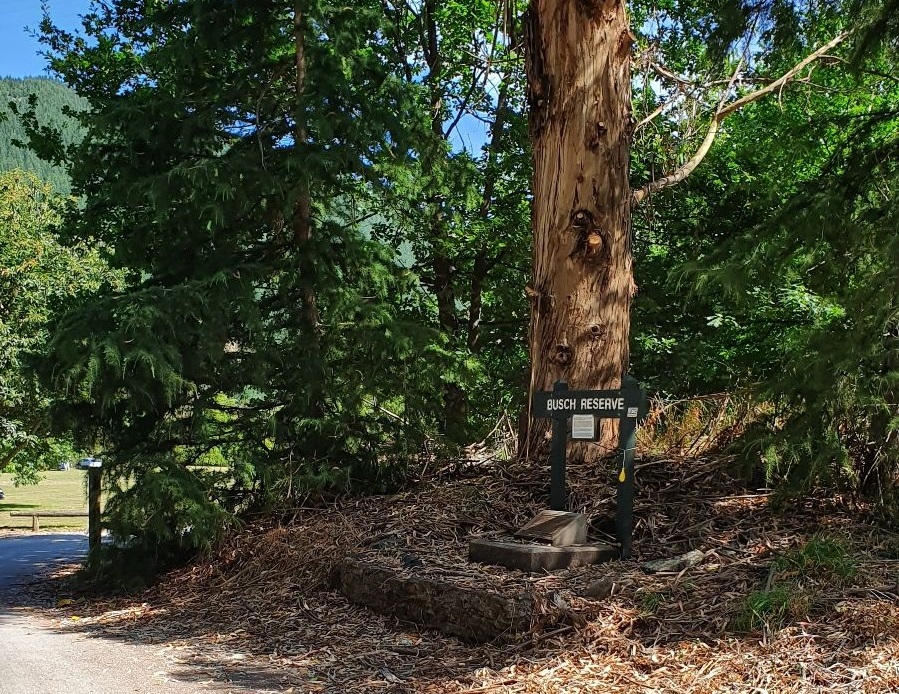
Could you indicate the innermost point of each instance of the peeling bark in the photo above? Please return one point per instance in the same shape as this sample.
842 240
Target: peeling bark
578 59
579 91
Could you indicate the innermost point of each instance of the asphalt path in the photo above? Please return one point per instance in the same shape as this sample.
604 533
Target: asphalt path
25 556
36 658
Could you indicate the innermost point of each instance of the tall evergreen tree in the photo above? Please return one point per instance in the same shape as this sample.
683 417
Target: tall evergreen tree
227 148
829 250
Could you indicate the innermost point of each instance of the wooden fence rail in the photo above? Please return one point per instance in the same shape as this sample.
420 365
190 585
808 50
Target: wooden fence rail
34 515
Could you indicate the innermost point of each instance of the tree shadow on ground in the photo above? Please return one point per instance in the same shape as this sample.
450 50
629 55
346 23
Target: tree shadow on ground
262 610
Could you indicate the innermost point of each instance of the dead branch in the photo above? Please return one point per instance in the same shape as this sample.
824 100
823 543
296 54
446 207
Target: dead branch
665 72
723 112
652 116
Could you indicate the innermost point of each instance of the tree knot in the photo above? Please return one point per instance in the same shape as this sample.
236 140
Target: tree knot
562 354
598 331
582 221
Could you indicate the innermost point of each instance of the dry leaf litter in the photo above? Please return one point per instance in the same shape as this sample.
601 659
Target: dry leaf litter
265 602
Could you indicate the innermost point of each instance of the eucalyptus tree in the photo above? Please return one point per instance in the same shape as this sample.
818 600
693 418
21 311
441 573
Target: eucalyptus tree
582 72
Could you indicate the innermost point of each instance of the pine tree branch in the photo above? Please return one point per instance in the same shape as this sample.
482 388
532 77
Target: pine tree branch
723 112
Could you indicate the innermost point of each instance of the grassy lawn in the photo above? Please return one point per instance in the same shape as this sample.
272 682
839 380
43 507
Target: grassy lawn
58 491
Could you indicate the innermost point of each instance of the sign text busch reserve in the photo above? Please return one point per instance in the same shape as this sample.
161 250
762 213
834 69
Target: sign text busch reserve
603 403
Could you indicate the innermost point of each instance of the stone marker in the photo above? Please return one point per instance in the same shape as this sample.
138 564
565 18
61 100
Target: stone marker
473 614
559 528
533 558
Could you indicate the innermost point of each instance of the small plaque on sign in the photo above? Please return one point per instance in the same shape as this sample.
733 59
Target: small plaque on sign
632 411
583 426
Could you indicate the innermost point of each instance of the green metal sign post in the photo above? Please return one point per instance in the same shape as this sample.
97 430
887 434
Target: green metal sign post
628 406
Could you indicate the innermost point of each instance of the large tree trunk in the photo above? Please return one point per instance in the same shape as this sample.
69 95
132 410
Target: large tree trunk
579 89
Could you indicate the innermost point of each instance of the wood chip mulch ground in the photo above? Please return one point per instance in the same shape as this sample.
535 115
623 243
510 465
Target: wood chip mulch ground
264 602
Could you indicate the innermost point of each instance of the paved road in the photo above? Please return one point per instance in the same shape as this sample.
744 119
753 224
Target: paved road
35 658
23 556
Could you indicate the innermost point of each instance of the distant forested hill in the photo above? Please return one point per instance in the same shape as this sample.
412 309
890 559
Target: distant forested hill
52 97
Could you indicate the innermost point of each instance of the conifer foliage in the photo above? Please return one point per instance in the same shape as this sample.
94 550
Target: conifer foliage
830 251
51 102
228 148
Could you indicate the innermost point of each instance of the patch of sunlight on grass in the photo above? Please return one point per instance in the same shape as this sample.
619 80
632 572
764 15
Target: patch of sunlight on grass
57 491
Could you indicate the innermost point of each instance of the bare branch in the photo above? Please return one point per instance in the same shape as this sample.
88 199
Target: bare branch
776 84
479 79
663 71
723 112
682 172
655 114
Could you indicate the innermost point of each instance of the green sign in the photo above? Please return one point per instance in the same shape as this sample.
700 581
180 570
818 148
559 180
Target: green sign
581 408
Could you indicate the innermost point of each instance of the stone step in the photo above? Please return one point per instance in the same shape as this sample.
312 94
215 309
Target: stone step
533 558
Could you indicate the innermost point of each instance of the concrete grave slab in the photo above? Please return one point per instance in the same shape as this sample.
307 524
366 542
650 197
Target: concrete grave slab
470 613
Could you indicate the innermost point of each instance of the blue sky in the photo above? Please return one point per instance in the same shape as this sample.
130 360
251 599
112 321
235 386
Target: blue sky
18 50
